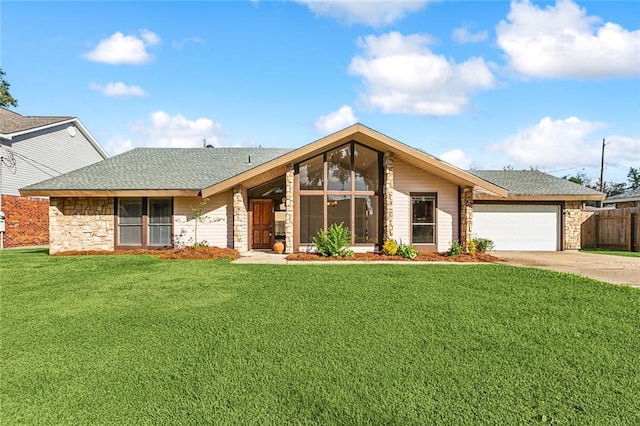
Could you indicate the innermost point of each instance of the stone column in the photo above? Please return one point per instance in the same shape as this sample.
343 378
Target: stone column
572 219
288 215
388 196
81 224
240 220
466 215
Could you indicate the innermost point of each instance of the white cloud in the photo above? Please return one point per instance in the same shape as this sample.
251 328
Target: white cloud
163 130
464 35
118 90
551 143
180 44
375 13
402 75
563 41
124 49
336 120
118 144
458 158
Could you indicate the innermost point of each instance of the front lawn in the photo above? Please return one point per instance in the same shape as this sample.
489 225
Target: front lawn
134 339
613 252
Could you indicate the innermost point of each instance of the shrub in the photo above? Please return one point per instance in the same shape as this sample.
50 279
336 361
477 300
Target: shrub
408 251
455 249
483 245
200 244
333 242
471 248
390 247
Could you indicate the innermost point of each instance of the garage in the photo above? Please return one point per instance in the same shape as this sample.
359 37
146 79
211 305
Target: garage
527 227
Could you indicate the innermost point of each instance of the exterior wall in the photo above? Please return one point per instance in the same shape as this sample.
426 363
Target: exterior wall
81 223
288 224
408 179
240 219
572 219
27 221
388 197
216 226
44 154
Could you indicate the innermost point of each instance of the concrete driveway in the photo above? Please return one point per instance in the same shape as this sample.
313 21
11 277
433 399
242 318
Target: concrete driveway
603 267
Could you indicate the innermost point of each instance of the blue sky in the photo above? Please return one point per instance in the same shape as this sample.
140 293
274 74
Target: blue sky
480 84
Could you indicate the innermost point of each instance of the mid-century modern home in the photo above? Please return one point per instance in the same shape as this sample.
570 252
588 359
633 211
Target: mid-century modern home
34 148
248 198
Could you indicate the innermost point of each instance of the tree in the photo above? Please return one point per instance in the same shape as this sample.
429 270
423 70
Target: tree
580 178
6 100
634 178
198 214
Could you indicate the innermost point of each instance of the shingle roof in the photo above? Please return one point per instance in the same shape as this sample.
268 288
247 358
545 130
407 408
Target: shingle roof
532 182
12 122
630 194
162 169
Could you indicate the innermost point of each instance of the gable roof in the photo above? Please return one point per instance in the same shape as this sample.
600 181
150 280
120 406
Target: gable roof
630 195
204 172
148 171
535 185
13 124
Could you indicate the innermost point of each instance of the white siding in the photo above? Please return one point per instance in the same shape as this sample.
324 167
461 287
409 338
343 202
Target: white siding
216 228
408 179
45 154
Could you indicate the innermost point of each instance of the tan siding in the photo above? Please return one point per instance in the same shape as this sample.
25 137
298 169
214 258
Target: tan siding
216 228
408 179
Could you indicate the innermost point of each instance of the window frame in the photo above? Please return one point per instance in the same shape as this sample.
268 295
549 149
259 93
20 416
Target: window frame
145 224
352 193
434 244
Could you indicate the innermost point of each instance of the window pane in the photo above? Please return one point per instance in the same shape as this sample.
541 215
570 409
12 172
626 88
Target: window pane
274 189
160 235
130 235
366 168
423 209
311 216
160 210
312 173
422 234
366 220
339 169
339 210
130 210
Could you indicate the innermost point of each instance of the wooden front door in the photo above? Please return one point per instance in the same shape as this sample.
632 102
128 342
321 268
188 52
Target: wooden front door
261 224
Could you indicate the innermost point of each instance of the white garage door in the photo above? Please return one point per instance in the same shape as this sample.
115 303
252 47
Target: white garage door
518 227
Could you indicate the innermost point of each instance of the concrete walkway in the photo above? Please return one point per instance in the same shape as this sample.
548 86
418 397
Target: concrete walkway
262 256
603 267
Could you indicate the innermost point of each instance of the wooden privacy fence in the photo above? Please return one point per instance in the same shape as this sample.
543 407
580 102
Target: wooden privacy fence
616 229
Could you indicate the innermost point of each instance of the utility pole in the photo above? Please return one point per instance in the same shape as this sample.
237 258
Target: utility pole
602 168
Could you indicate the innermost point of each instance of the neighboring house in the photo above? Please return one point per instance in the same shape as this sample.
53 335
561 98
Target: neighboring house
630 198
377 186
33 149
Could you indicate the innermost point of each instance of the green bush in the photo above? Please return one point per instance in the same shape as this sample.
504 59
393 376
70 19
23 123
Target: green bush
455 249
390 247
483 245
334 241
408 251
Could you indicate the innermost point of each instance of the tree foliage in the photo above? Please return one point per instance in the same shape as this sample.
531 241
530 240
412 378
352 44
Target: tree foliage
6 100
633 177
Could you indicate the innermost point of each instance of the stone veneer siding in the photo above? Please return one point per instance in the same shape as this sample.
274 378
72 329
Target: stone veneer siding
81 224
466 215
572 219
26 222
240 220
288 216
388 196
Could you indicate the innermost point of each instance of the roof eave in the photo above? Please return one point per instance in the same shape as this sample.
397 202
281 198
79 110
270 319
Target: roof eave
541 197
109 193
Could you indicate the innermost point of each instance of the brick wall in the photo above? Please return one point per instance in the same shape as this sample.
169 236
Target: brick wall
27 221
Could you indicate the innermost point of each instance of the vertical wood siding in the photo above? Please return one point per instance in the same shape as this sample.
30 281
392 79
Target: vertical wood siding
53 148
408 179
216 228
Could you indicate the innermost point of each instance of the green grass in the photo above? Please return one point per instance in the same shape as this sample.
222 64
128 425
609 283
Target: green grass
613 252
136 340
